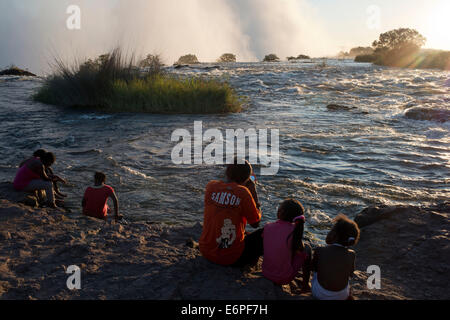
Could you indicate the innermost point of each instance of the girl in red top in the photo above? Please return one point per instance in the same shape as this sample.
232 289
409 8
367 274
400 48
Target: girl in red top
95 199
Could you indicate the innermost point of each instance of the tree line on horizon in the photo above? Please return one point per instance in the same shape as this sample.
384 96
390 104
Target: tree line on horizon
396 48
403 48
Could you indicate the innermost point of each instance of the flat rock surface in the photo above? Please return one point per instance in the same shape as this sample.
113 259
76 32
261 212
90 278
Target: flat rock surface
152 261
412 248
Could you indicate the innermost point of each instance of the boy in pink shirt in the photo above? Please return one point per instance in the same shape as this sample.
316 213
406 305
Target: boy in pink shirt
284 251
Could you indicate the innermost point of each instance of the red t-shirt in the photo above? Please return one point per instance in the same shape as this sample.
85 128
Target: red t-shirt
96 201
228 208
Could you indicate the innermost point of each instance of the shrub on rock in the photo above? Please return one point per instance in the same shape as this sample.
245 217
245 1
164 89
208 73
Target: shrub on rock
188 59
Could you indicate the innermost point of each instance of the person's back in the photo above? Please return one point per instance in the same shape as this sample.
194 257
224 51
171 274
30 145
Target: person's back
228 207
26 173
95 200
278 264
335 266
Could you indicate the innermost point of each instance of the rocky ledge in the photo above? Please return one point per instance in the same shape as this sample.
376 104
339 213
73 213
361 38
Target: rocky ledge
142 260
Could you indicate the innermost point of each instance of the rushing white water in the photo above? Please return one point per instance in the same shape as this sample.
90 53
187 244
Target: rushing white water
387 141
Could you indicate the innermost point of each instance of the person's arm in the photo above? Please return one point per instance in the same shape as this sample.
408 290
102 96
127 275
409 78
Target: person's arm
307 269
251 186
41 172
353 263
58 178
116 205
251 211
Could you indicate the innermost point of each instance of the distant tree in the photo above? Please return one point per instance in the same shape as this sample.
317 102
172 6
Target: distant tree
95 64
152 63
343 55
188 59
399 39
227 57
398 48
366 58
271 58
102 59
402 48
360 51
299 57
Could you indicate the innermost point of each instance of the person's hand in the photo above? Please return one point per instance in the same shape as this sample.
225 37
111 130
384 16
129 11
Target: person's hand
250 183
306 288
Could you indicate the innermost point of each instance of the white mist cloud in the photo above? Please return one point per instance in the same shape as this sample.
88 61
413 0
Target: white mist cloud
32 31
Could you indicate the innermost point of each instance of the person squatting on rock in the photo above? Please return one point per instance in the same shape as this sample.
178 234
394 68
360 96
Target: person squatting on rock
32 176
49 171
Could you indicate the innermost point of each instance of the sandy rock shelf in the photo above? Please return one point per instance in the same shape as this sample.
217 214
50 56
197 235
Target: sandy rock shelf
152 261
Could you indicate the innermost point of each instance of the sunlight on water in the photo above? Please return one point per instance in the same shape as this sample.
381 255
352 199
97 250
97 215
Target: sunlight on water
351 135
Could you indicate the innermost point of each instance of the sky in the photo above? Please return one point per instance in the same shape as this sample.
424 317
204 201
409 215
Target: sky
33 32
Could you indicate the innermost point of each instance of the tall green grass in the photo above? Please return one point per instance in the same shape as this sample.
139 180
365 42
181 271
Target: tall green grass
112 83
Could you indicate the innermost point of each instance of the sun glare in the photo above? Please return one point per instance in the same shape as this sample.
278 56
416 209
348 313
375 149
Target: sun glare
438 29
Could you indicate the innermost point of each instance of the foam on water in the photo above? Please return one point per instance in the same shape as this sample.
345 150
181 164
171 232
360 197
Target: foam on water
388 142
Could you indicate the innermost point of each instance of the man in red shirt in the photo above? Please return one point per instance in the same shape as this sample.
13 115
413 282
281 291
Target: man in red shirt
229 206
96 197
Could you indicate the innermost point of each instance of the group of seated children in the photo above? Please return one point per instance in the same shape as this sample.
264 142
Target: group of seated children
35 174
230 205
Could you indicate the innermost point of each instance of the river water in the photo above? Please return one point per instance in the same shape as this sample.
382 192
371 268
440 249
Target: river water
388 143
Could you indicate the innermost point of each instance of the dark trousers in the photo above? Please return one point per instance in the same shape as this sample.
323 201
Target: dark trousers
254 249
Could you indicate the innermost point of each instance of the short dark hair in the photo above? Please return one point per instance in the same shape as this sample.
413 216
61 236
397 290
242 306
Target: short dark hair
239 173
100 177
39 153
347 231
48 159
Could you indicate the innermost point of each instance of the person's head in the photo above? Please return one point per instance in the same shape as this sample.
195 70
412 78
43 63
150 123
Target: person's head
292 211
48 159
344 232
39 153
99 178
239 173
